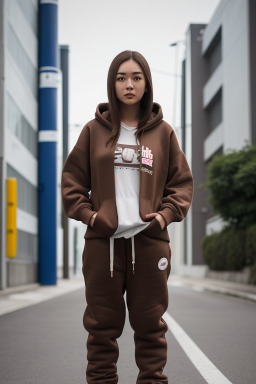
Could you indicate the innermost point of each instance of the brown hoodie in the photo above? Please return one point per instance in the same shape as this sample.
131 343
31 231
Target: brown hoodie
88 184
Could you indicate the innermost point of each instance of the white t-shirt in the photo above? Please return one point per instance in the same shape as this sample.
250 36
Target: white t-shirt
127 184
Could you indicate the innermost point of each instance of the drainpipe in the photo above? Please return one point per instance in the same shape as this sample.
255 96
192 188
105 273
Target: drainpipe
47 142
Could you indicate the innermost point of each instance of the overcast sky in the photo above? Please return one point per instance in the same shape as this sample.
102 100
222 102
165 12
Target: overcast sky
97 30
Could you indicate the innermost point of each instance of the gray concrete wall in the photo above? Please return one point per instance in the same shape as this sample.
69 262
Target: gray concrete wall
21 272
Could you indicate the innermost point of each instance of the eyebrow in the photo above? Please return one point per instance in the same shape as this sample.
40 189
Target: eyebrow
123 73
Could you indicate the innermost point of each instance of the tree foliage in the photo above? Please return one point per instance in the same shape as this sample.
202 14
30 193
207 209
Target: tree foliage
231 180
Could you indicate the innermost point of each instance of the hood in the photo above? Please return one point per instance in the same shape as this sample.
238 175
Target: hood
102 114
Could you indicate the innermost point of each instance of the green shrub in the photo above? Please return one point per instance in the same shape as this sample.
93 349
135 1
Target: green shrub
225 250
253 274
214 251
235 247
232 184
251 244
209 254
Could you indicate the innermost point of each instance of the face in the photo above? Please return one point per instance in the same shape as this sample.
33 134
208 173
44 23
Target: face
130 79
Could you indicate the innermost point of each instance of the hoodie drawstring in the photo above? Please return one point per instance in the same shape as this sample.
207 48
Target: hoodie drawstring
133 255
111 242
112 249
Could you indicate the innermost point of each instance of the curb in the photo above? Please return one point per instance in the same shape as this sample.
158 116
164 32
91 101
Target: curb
15 298
19 288
244 291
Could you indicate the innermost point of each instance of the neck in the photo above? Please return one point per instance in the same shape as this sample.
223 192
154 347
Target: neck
129 114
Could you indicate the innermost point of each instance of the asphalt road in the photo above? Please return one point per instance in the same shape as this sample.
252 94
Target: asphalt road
46 343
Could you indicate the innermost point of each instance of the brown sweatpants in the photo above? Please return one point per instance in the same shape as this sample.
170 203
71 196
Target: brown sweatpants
147 300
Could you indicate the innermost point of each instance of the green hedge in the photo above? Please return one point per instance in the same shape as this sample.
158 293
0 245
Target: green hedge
231 250
225 250
251 244
232 185
251 250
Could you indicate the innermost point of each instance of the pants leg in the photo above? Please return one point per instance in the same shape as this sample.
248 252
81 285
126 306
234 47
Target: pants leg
147 300
104 316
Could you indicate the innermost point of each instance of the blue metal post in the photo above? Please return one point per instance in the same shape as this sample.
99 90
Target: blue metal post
47 142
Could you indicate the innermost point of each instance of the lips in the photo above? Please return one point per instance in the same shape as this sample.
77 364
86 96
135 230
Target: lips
129 94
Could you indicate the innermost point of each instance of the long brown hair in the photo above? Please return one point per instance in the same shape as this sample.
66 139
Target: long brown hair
146 103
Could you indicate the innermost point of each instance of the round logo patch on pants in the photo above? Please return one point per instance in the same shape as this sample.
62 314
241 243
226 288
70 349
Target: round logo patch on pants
162 264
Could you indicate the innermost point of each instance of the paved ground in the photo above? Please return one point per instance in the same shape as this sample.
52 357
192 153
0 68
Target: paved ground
245 291
211 337
15 298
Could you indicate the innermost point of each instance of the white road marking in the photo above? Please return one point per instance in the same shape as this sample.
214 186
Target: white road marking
206 368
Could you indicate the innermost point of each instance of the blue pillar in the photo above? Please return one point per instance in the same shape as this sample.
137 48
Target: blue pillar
47 142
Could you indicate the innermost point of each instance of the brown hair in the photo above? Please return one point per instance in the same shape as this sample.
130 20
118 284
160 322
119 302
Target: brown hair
146 103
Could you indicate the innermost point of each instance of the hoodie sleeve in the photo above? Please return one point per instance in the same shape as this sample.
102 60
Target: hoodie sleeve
179 187
76 180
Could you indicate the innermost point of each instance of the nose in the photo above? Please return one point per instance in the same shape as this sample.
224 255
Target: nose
129 84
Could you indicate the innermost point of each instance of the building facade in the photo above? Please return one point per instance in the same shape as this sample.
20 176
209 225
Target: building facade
217 107
21 82
18 130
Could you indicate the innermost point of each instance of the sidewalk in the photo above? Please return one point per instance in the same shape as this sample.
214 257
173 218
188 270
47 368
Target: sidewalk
244 291
15 298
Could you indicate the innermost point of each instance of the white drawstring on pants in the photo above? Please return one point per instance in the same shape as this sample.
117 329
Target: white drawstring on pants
112 250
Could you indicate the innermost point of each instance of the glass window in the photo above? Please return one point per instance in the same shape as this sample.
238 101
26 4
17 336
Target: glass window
214 111
30 13
213 54
26 192
20 127
22 60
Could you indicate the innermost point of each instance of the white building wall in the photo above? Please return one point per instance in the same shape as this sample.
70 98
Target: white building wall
214 224
2 141
16 86
232 74
19 23
236 101
23 161
214 141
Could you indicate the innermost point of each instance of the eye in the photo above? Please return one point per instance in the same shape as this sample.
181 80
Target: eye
137 77
119 78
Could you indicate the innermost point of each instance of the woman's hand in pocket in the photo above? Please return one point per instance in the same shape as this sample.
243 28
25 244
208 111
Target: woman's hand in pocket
92 220
158 217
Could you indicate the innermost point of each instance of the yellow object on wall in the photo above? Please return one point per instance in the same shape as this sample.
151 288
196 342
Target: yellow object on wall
11 217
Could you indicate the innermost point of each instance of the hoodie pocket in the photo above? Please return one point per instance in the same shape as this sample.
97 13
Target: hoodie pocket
158 223
106 222
153 227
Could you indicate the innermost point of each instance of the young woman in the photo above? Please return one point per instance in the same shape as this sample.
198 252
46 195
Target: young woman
129 160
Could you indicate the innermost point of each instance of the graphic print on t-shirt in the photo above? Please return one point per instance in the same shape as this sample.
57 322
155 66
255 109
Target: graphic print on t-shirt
128 156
